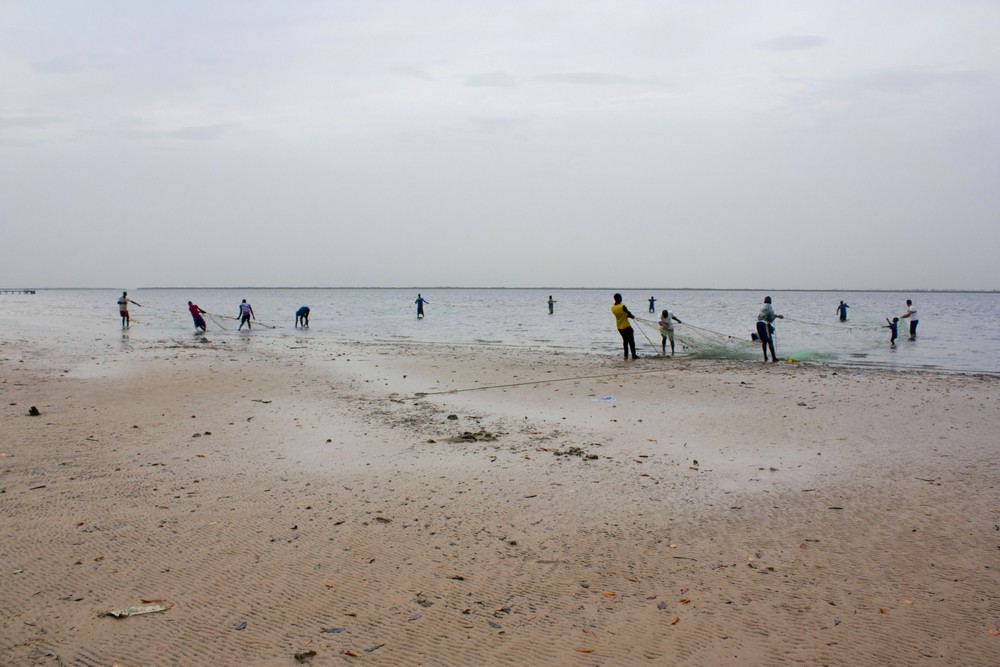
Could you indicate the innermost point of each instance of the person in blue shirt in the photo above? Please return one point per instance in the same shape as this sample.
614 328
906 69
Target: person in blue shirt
893 328
302 316
765 328
652 304
842 311
420 306
246 312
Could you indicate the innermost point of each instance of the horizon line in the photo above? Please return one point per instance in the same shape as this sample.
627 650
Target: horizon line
554 289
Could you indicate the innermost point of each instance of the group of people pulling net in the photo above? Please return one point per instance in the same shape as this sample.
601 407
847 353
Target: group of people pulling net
693 341
245 316
701 342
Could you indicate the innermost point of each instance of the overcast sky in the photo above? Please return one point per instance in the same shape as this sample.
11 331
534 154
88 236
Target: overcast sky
519 143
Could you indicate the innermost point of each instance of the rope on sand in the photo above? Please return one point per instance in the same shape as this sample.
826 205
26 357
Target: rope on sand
421 394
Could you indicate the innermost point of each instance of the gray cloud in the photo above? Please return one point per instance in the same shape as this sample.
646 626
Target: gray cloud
57 66
411 71
595 79
192 133
494 125
861 129
911 81
30 130
27 121
858 91
496 79
197 133
794 43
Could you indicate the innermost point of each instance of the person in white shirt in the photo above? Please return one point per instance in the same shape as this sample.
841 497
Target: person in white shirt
123 303
765 328
667 320
911 313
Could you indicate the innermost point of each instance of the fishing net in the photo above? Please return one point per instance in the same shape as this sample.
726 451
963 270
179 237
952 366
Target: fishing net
227 323
702 343
805 341
223 322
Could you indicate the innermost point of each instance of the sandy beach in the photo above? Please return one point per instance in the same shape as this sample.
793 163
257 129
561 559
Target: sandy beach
434 505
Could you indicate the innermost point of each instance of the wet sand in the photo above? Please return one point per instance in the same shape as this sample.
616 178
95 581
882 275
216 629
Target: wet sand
436 505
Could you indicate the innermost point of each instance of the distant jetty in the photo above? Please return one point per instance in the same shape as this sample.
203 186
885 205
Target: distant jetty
16 291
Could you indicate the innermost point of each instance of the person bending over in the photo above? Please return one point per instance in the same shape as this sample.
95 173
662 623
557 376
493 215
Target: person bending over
196 315
246 313
667 320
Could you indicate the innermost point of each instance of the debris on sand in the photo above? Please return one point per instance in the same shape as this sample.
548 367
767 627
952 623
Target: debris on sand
478 436
575 451
142 609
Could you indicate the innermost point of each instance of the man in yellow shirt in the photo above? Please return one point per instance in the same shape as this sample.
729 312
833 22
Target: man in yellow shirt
622 316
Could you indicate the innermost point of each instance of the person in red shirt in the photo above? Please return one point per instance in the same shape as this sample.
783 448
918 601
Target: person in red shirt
196 313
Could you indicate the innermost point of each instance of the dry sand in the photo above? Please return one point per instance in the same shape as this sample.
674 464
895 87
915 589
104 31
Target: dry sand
589 513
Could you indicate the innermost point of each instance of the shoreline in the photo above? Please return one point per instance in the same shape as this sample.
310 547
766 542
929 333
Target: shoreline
715 325
785 513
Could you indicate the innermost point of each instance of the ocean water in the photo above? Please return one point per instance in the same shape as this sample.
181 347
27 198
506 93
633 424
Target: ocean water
957 331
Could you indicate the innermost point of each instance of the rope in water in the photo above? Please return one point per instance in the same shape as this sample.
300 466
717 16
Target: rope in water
225 317
229 317
178 310
459 304
839 327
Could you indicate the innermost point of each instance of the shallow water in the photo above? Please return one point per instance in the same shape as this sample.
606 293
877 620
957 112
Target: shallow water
957 330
